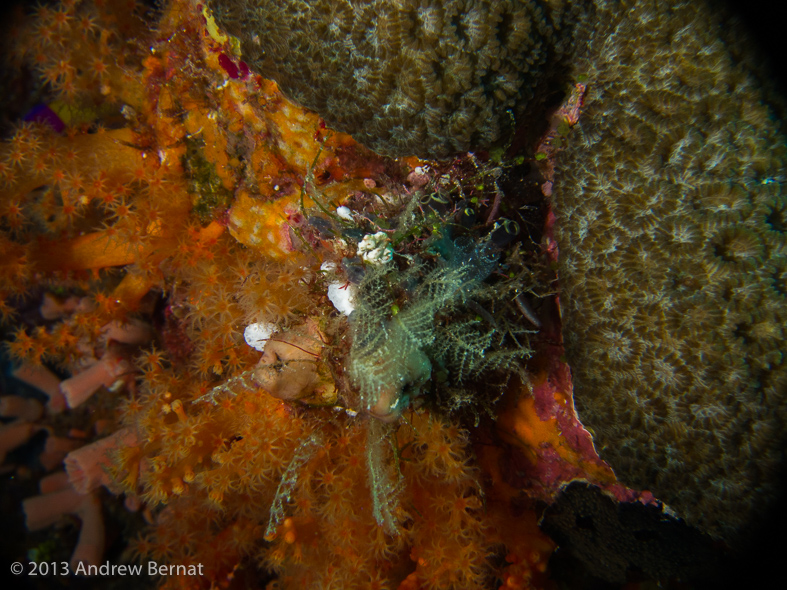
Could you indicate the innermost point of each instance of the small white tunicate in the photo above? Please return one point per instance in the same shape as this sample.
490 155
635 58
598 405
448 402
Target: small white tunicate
342 295
376 248
344 213
257 335
328 266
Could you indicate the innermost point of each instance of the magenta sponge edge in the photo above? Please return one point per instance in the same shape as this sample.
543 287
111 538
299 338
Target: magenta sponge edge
673 262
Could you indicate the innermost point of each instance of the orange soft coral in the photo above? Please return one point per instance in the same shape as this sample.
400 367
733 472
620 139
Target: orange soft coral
229 460
188 217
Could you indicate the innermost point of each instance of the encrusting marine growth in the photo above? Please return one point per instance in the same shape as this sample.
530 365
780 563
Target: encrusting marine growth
411 77
304 364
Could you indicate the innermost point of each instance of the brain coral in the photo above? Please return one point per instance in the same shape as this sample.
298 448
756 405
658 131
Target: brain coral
673 237
407 77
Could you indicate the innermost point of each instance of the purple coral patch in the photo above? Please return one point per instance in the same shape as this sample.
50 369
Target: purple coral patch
41 113
229 66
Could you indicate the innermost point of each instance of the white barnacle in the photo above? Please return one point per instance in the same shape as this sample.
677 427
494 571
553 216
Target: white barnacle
345 213
258 334
342 295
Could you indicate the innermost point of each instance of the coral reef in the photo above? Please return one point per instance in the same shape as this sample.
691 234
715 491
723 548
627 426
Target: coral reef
266 352
218 469
410 77
169 201
670 201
